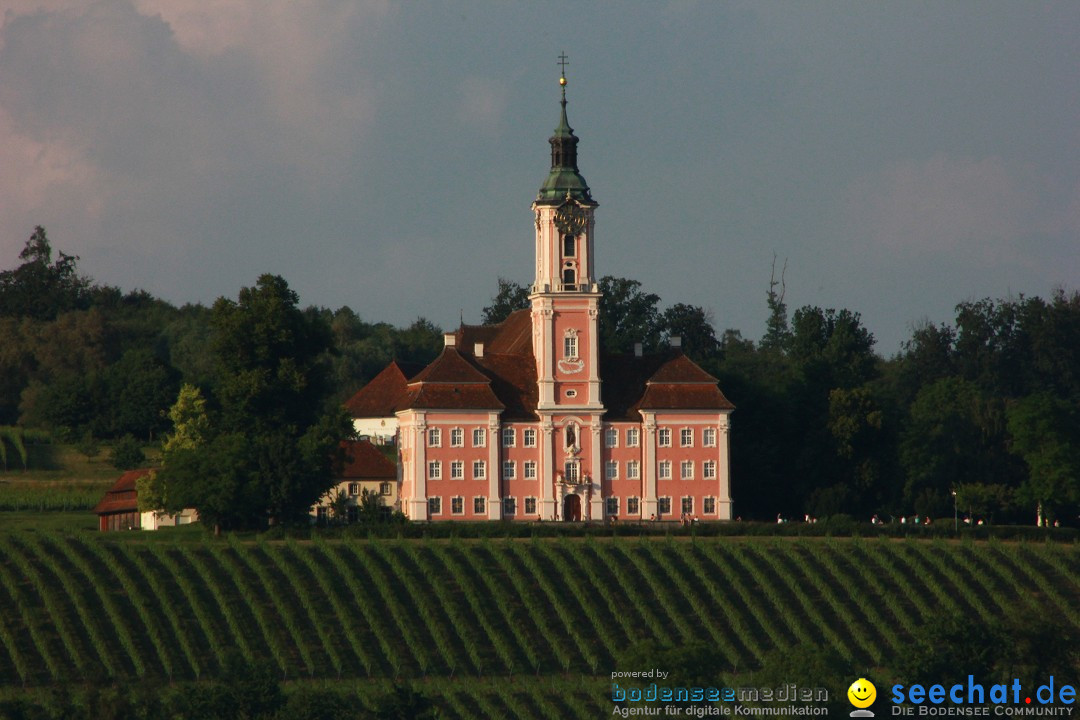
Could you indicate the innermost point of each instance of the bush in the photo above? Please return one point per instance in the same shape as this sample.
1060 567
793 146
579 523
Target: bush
127 454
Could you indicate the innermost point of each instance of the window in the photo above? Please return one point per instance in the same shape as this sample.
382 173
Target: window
611 437
663 437
479 505
633 470
530 506
530 469
509 506
570 346
479 437
709 506
708 469
664 505
457 437
386 488
509 437
434 470
665 469
611 469
509 470
570 471
613 506
530 437
686 470
688 505
354 488
568 245
708 437
434 506
686 437
322 514
568 276
633 506
434 437
457 506
631 437
571 393
479 470
457 470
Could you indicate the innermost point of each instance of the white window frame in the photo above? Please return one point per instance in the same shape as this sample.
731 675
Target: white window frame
530 501
708 437
633 470
457 437
509 505
686 470
708 469
479 470
686 437
611 437
354 489
633 437
611 469
570 347
386 488
479 437
571 472
682 505
509 437
457 470
609 502
479 505
434 505
509 470
529 437
434 437
663 437
460 502
530 470
660 502
706 502
434 470
636 501
664 470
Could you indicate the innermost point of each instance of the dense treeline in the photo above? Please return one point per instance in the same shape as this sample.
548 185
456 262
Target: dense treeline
986 407
83 359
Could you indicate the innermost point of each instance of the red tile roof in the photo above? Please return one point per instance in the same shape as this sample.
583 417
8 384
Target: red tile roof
384 393
504 378
121 496
364 461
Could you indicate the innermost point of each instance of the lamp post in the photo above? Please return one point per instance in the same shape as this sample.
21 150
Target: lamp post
955 517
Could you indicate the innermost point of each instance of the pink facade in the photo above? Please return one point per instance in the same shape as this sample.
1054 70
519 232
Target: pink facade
532 420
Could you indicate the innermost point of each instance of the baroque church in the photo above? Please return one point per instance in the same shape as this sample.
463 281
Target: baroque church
531 419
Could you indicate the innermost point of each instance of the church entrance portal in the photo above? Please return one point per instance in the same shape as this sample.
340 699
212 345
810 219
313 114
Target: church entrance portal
572 508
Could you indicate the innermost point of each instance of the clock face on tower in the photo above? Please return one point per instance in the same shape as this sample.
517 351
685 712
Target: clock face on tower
571 219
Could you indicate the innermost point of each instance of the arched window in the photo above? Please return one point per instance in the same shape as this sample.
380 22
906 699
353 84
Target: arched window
569 246
568 276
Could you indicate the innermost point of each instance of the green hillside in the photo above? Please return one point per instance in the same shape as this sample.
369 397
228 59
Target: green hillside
89 608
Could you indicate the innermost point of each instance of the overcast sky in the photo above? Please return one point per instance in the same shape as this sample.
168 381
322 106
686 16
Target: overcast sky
901 156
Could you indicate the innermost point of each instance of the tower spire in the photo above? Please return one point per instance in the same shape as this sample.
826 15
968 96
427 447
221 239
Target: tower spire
564 180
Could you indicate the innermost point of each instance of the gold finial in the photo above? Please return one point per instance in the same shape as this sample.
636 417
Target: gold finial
563 62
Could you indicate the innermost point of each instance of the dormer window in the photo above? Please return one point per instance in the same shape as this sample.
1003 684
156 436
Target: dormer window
569 245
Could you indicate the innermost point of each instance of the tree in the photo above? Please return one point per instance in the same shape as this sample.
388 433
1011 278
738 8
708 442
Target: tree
693 325
41 288
510 297
1044 433
272 445
127 454
777 332
139 388
628 316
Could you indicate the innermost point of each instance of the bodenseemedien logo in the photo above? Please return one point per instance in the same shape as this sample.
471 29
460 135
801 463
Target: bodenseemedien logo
862 694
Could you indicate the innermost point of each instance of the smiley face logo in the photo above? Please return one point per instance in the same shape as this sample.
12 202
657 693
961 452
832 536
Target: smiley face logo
862 693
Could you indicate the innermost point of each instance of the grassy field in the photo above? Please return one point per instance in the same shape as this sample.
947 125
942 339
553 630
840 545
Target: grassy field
457 615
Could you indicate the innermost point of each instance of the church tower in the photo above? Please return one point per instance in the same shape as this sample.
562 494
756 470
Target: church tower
565 310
